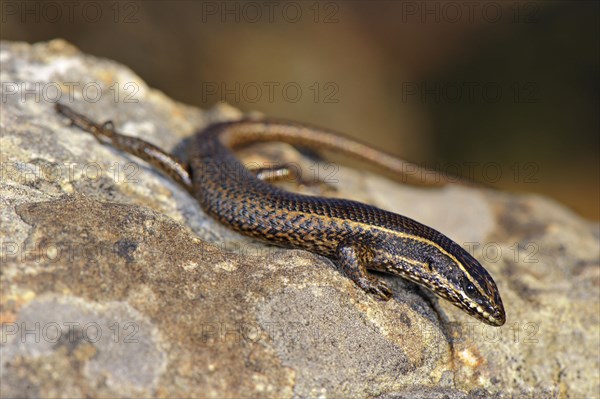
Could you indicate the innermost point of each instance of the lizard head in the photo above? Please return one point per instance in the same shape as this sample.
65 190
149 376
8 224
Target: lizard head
460 278
445 268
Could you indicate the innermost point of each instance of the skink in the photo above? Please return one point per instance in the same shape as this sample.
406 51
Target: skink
356 236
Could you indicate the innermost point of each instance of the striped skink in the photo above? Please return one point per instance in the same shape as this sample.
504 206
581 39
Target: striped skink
356 236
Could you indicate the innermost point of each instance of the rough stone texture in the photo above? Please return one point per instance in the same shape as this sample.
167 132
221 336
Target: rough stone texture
117 284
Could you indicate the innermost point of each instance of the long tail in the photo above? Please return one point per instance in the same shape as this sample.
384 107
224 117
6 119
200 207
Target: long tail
106 134
243 132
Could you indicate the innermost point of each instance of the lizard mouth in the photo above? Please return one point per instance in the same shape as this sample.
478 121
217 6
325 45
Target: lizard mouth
491 316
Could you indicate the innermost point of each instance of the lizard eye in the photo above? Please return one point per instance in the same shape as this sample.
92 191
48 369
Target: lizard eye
469 288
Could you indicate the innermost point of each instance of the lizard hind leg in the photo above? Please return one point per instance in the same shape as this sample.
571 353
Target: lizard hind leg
291 174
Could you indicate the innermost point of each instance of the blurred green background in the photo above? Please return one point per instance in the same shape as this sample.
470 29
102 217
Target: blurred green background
507 92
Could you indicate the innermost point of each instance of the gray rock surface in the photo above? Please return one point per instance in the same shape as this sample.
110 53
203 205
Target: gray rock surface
115 283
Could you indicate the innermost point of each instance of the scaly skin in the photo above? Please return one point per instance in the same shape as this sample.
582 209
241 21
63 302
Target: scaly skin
354 235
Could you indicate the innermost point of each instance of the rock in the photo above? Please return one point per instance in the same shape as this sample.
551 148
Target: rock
115 282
